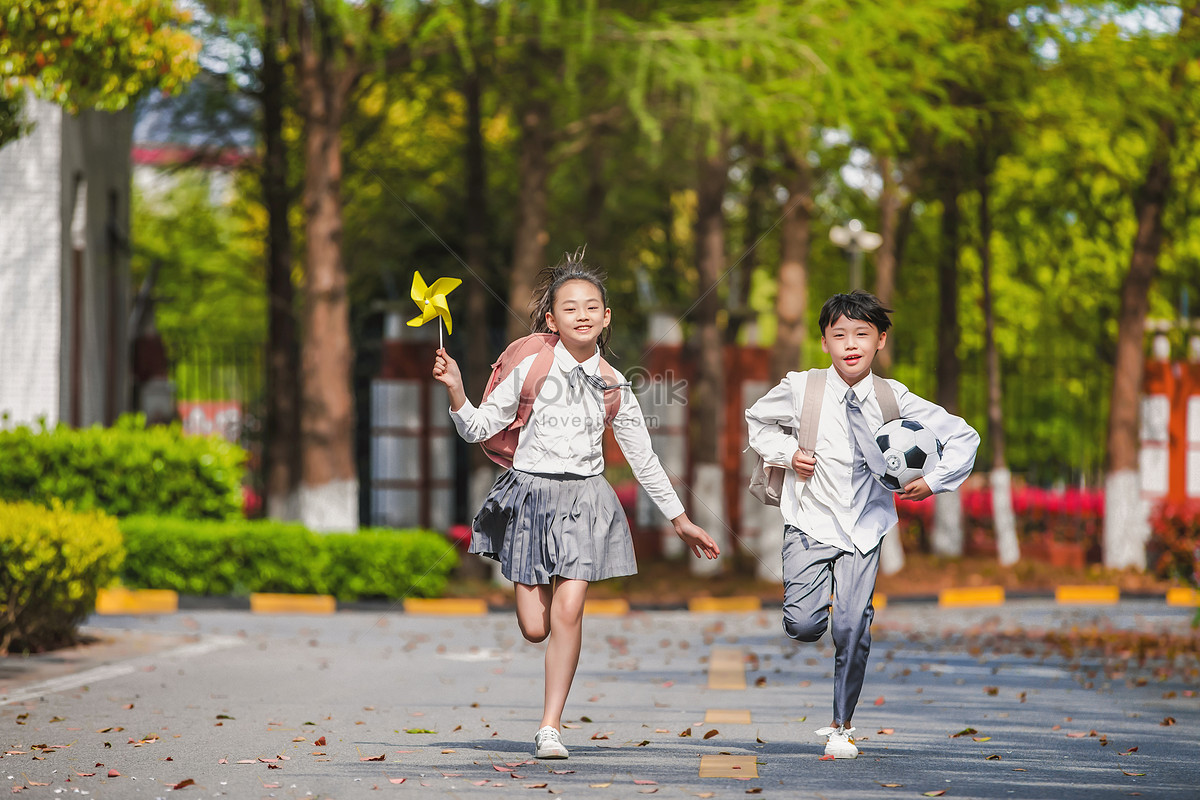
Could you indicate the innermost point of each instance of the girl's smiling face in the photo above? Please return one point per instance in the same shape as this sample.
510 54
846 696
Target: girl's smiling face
852 344
578 316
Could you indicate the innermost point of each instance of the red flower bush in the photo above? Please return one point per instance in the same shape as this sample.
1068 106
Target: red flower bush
1174 547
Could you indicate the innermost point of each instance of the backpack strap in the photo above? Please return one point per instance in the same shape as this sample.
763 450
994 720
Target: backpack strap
885 395
612 395
531 382
810 410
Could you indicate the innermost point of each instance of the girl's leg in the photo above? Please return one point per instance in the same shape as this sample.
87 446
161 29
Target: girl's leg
562 652
533 610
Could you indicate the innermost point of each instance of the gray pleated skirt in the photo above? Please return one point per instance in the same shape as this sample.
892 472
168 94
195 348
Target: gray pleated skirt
539 526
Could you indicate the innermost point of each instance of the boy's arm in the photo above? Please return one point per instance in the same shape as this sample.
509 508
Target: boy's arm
475 424
766 419
959 440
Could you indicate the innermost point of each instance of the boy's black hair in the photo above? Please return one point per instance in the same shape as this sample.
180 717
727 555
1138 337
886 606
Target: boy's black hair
856 305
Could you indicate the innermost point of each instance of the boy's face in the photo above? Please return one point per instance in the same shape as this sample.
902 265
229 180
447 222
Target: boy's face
852 344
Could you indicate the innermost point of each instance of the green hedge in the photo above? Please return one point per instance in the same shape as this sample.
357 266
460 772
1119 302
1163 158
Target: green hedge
123 470
52 561
243 556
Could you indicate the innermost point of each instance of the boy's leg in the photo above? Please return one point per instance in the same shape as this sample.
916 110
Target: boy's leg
807 583
853 587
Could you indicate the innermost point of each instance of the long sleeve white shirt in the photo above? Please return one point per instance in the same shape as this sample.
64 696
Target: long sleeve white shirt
838 505
564 434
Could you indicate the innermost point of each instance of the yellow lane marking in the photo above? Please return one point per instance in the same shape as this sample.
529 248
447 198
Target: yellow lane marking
1098 595
456 606
721 605
269 603
730 716
722 766
137 601
1181 596
972 596
605 608
726 669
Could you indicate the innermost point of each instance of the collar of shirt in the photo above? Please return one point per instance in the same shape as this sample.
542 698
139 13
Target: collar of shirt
566 362
862 390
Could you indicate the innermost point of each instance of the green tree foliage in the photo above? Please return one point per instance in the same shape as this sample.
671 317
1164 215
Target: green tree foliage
93 53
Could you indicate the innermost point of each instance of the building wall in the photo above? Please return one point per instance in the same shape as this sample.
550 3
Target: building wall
30 280
64 276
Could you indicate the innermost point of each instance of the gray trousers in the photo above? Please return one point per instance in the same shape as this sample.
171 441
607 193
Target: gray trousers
811 573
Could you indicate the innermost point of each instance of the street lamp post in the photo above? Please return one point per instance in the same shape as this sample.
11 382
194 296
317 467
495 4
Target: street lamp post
855 240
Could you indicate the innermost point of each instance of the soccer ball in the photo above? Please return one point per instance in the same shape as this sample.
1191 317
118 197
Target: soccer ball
910 451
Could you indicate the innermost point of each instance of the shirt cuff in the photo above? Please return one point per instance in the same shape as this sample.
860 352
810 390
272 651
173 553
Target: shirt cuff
672 508
464 413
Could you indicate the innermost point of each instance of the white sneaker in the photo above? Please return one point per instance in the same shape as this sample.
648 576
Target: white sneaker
547 744
840 744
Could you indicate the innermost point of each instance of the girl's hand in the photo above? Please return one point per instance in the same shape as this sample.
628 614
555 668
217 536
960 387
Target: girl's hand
445 371
695 537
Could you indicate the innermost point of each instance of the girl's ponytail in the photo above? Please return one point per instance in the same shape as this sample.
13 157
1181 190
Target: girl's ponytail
570 268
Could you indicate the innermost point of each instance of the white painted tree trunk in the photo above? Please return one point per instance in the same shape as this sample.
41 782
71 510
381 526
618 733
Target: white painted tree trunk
1126 521
708 511
891 552
768 542
1008 551
947 537
331 507
285 508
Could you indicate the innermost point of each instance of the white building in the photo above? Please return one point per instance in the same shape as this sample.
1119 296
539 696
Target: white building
64 268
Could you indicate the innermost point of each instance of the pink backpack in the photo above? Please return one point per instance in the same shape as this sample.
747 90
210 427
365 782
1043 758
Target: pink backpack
500 448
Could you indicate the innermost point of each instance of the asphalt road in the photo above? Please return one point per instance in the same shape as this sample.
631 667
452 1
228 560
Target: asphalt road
364 704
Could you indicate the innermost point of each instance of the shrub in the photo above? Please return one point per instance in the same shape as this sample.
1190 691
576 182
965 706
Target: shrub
1174 547
52 562
243 556
123 470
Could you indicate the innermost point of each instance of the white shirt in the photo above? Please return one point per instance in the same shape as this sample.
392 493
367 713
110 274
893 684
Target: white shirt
838 505
565 430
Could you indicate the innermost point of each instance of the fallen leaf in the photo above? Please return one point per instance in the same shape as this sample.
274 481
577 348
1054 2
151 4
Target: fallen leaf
761 680
1134 774
993 757
645 783
1130 750
1075 735
183 784
600 785
535 786
399 781
891 785
479 783
597 735
981 738
825 758
319 742
271 786
562 772
418 730
991 690
1056 728
755 790
686 733
878 701
585 719
642 743
379 757
935 793
964 732
886 731
446 752
1168 721
711 733
668 684
85 774
499 768
222 760
112 773
299 739
224 716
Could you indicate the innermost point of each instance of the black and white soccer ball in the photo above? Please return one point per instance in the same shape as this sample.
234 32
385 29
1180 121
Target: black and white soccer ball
910 451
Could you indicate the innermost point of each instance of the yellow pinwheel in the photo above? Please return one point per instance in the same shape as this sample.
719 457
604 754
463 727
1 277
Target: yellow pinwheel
432 300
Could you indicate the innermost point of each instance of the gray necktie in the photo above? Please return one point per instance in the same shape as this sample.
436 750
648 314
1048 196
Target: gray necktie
595 381
864 444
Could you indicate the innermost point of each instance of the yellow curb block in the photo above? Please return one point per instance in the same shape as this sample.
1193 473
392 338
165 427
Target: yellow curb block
605 608
972 596
722 766
269 603
449 606
728 716
719 605
137 601
726 669
879 601
1180 596
1093 595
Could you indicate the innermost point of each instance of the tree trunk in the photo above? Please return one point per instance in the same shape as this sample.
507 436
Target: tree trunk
791 299
529 247
281 451
947 518
742 276
707 399
1007 548
329 489
885 257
